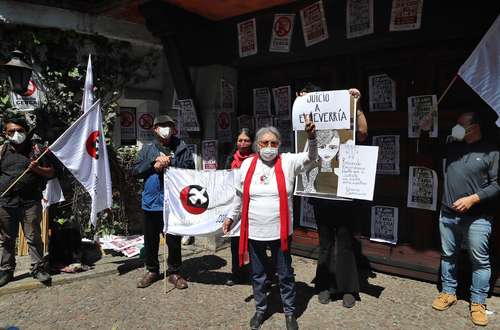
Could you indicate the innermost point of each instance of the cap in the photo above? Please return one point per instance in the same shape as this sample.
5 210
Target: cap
162 119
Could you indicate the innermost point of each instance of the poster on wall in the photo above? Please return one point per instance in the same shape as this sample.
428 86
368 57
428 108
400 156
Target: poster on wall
263 121
128 134
175 101
32 98
188 116
384 224
281 36
261 101
329 109
406 15
422 188
227 96
281 97
321 178
382 93
209 154
388 154
314 23
422 115
145 121
359 18
357 170
247 37
284 125
307 218
224 133
246 121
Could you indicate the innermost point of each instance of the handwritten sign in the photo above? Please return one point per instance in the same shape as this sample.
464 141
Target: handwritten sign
330 110
357 168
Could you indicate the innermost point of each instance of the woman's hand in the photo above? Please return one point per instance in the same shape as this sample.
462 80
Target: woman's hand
310 127
226 226
355 93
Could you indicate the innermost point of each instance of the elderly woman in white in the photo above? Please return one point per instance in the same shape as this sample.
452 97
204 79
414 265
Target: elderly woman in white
263 200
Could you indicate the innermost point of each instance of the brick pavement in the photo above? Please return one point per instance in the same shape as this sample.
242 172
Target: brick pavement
108 299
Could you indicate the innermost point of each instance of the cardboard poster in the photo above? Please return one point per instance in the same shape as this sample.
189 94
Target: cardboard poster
359 18
282 103
188 116
307 218
261 101
128 135
263 121
246 121
330 110
422 115
321 179
281 36
247 37
384 224
209 154
388 154
314 23
422 188
382 91
406 15
284 126
145 126
357 171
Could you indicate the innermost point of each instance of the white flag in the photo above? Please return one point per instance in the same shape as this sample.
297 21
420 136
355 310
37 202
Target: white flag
88 90
197 202
482 69
52 193
82 149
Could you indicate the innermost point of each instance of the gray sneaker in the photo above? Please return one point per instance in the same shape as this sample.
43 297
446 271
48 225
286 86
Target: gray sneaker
41 275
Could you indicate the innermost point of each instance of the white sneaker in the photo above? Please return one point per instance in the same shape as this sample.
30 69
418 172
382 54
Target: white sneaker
187 240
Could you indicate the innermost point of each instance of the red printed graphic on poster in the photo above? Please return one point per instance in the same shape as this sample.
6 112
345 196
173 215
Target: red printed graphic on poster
32 98
209 154
127 126
281 96
282 33
145 126
247 37
359 18
406 15
314 23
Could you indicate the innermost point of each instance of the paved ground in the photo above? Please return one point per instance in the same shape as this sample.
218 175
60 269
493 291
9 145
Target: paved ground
106 298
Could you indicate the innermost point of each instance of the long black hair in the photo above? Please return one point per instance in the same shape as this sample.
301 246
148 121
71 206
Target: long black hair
244 130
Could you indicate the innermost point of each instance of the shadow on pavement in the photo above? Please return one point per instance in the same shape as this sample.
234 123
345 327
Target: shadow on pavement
304 293
201 270
128 265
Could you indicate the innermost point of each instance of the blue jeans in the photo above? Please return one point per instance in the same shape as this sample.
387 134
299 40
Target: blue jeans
283 264
476 232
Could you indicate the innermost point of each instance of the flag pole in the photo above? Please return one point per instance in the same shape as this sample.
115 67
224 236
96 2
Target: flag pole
447 88
165 263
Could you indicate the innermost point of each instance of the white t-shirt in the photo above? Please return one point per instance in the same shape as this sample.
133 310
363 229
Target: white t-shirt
264 207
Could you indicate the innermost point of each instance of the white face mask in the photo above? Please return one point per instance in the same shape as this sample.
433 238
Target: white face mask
164 132
458 132
17 138
268 153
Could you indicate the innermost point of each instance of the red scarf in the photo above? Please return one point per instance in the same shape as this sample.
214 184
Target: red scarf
284 212
238 158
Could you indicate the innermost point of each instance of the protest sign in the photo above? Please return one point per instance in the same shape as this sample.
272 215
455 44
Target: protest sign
329 109
388 154
307 217
281 96
422 188
359 18
261 101
320 178
282 33
314 23
382 92
188 116
384 224
406 15
128 134
145 126
247 37
422 115
246 121
357 169
209 154
32 98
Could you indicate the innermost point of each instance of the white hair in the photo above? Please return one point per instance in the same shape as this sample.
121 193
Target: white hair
264 130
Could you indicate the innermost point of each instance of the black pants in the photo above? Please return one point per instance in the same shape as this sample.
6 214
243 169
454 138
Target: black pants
153 226
336 272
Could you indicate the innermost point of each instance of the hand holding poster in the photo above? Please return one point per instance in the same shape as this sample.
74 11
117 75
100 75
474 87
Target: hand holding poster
329 109
357 168
384 227
422 115
422 188
282 33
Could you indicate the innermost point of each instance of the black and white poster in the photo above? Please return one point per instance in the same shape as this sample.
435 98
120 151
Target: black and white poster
406 15
422 115
384 224
314 23
388 154
382 92
188 116
263 121
247 38
284 125
307 218
246 121
282 103
422 188
261 101
359 18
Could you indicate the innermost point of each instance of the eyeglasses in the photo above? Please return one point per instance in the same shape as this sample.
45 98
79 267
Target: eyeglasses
14 130
273 144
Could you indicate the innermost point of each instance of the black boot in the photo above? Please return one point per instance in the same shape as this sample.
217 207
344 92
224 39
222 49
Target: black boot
5 277
256 321
291 322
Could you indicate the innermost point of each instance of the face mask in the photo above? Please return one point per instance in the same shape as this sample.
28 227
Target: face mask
17 138
458 132
164 132
268 153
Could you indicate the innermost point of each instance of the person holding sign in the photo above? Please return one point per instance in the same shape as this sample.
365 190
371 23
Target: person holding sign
471 190
337 273
264 189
